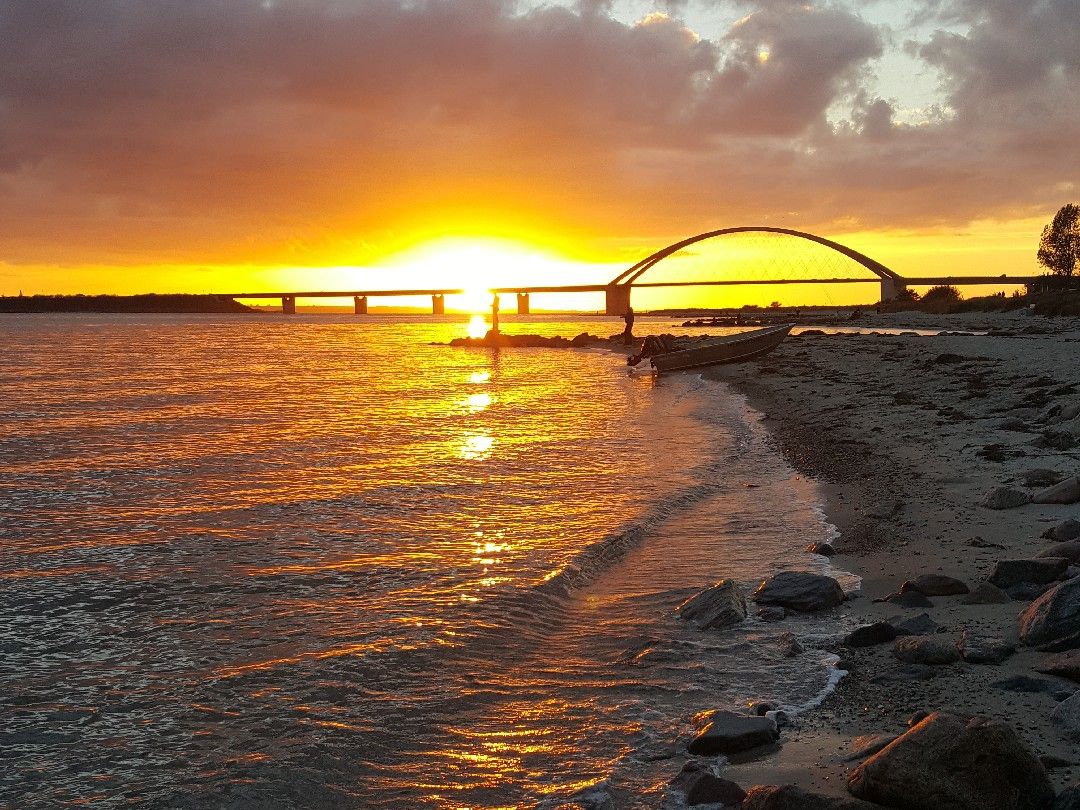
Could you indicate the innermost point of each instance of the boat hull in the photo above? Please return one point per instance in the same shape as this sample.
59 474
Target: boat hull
735 349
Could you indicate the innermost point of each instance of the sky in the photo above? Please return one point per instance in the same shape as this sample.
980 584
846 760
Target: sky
188 145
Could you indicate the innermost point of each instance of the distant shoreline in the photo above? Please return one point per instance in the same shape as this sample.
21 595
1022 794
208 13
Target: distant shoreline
134 304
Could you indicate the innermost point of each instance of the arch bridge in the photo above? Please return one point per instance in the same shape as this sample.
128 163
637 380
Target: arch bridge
617 291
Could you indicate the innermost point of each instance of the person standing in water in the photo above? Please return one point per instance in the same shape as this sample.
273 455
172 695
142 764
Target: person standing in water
628 332
495 315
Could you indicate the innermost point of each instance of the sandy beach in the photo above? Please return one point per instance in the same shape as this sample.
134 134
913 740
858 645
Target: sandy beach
907 436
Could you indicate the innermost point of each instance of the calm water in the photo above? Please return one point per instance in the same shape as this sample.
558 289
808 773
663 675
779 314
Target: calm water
317 562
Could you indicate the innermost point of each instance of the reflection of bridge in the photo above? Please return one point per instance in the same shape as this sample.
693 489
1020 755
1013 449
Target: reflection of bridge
617 291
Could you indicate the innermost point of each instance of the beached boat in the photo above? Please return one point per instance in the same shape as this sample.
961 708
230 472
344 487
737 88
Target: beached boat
728 349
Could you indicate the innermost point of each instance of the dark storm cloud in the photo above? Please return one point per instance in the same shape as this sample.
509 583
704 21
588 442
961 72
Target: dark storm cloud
189 129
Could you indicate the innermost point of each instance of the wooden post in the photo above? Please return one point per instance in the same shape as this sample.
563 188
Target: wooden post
359 305
288 304
438 305
523 303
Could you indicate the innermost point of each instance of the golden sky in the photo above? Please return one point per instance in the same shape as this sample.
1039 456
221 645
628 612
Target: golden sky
160 145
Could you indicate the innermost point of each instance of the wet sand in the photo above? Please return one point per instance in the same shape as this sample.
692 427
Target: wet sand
891 427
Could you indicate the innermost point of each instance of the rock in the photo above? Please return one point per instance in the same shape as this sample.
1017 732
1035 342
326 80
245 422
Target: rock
800 590
917 717
977 648
1069 412
1014 425
1064 665
1053 618
1032 686
771 613
701 786
762 708
935 585
1038 570
780 717
986 594
1040 477
1067 491
1068 799
947 358
1069 550
978 542
1064 531
992 452
1050 762
1066 715
868 745
870 634
1005 498
1055 439
824 549
911 599
921 625
730 733
948 762
790 797
722 605
931 650
789 645
1027 591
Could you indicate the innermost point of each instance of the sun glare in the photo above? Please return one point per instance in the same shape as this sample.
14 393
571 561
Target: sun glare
477 326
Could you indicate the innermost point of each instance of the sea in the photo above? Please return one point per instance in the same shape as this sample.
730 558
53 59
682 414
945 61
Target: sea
329 561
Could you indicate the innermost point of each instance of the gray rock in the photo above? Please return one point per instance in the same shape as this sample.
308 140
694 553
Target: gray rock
1014 425
780 717
1070 550
1053 618
870 634
789 645
722 605
1064 665
921 625
930 650
985 594
1067 716
1026 591
701 786
1005 498
1064 531
1038 570
1056 439
868 745
1040 477
1032 686
1068 799
730 733
948 762
1069 412
771 613
917 717
824 549
763 707
910 599
790 797
1068 491
800 590
935 585
977 648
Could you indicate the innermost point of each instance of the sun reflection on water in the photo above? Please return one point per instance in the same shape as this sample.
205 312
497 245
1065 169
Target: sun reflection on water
477 447
477 402
477 326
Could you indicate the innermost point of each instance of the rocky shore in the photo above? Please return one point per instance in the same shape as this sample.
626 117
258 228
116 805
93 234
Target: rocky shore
948 465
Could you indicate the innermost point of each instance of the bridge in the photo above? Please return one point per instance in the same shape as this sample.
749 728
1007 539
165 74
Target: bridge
617 291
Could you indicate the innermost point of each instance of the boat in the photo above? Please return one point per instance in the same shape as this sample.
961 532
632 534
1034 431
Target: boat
728 349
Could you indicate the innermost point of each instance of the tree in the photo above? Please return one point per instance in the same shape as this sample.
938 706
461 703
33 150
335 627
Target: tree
1059 247
941 299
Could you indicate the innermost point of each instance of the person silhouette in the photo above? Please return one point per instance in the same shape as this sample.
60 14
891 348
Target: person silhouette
628 332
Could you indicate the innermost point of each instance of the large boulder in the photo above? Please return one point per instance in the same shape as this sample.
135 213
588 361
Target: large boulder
1067 491
1066 715
1070 550
790 797
729 733
1005 498
1064 665
935 585
722 605
1038 570
1054 618
1068 799
948 762
985 594
871 634
926 650
800 590
701 786
978 648
1066 530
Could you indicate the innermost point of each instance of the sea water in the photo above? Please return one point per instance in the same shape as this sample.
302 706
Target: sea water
322 561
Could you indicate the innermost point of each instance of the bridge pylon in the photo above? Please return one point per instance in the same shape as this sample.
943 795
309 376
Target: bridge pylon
616 299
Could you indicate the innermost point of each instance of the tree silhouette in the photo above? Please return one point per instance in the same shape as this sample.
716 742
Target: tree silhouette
1059 247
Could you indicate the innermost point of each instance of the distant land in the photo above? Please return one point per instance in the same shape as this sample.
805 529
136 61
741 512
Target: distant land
149 303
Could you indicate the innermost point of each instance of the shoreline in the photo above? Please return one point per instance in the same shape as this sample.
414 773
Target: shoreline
890 427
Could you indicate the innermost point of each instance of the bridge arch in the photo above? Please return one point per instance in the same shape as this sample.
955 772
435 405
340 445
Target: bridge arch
618 291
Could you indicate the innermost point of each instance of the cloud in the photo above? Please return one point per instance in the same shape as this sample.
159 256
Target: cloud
300 130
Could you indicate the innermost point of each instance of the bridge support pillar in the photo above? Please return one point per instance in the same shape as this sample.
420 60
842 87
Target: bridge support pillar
438 305
288 304
616 299
359 305
891 288
523 303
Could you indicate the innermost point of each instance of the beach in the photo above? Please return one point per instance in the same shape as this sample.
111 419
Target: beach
906 436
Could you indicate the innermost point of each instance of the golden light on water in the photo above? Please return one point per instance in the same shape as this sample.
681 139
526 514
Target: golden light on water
477 447
477 329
